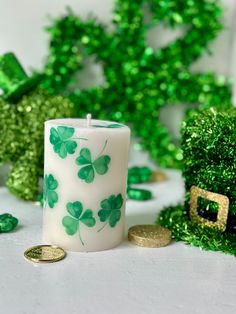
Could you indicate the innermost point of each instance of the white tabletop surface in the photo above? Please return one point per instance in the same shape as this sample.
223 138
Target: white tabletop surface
127 279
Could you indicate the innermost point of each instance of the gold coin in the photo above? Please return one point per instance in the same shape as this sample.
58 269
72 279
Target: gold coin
158 176
44 254
149 235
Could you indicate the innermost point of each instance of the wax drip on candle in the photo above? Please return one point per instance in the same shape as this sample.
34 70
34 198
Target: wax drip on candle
89 117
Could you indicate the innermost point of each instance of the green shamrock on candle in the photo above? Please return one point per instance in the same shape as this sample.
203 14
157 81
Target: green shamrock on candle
99 165
109 126
110 210
49 194
60 138
77 216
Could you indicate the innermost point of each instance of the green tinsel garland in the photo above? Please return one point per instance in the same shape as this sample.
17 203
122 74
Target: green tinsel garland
177 220
139 80
209 147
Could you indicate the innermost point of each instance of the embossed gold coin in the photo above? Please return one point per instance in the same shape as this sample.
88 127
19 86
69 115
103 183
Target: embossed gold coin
44 254
149 235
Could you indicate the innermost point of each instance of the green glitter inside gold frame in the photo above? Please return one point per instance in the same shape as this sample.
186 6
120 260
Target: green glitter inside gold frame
223 209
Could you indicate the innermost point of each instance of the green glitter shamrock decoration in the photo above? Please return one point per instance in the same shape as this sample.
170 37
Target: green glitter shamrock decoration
60 139
110 210
50 184
7 222
99 165
139 80
77 216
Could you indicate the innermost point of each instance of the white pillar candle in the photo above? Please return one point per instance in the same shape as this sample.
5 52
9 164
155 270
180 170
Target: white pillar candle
85 175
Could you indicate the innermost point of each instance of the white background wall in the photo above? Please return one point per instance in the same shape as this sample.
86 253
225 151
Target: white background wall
21 31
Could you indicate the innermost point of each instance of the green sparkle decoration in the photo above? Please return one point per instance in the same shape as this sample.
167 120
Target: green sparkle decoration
139 194
176 219
7 222
139 174
21 138
209 148
139 80
23 110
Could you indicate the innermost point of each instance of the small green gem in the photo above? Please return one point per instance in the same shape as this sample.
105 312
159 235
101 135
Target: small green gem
139 194
7 222
139 175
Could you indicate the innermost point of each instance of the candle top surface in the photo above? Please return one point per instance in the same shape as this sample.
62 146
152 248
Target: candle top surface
82 123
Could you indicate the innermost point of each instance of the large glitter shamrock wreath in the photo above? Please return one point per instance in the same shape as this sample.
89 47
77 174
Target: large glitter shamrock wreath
139 79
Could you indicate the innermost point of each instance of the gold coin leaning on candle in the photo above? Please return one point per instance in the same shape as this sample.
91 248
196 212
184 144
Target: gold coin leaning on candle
44 254
158 176
152 236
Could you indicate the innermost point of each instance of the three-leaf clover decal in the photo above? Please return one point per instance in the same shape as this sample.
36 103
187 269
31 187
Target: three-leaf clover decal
110 210
77 216
60 138
50 196
90 167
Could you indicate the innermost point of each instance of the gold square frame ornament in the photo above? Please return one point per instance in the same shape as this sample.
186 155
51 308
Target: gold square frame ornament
221 200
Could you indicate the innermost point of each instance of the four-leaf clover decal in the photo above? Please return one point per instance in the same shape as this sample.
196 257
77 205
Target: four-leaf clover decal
77 216
110 210
90 167
60 138
50 184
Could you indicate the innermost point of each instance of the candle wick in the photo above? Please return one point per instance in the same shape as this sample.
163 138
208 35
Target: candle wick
89 117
